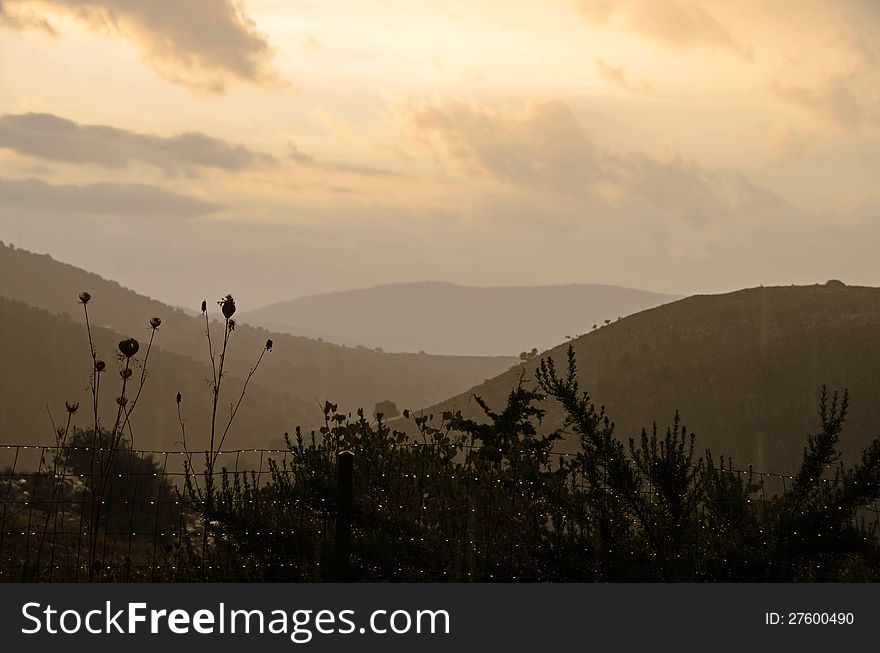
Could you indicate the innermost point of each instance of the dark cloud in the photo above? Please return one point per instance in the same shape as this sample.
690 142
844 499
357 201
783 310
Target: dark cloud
50 137
127 200
201 44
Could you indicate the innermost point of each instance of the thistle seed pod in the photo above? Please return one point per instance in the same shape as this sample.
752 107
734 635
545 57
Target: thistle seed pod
155 322
84 297
129 347
227 306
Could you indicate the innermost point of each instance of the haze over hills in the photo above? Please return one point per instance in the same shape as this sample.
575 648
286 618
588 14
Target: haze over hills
445 318
745 369
304 370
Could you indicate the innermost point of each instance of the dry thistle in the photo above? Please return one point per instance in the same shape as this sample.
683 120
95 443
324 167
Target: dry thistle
71 408
84 297
155 322
204 306
227 306
129 347
125 373
100 366
269 345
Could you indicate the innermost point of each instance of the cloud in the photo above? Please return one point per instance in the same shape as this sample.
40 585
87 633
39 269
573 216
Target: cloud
545 148
311 45
24 20
685 25
848 101
544 145
126 200
200 44
52 138
38 170
597 11
696 194
305 159
675 23
835 73
790 145
615 75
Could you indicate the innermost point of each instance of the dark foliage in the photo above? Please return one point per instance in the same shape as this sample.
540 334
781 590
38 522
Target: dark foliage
54 505
487 500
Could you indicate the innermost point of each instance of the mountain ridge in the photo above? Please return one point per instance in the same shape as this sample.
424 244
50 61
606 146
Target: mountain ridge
453 319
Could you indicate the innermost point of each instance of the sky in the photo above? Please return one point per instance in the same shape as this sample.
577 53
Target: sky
276 149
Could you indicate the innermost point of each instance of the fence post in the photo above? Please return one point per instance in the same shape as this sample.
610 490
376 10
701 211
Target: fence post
345 467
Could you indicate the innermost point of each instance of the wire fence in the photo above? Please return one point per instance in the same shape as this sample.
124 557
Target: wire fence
145 526
86 514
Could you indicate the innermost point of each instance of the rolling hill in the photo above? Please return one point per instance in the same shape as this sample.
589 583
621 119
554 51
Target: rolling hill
745 369
444 318
302 370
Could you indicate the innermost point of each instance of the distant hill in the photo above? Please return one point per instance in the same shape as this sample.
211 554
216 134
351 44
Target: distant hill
303 370
745 369
444 318
295 330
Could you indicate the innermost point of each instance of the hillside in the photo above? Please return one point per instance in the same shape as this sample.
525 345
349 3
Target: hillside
444 318
744 369
46 362
304 369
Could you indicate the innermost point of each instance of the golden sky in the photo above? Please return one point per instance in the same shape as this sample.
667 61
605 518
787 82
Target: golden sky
280 148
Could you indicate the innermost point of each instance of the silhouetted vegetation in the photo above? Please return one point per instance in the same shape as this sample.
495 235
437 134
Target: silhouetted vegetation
435 497
488 500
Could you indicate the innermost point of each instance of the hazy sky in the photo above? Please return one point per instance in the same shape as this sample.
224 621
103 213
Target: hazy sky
277 148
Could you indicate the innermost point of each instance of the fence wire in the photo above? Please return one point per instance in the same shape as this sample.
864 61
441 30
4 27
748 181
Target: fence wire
88 514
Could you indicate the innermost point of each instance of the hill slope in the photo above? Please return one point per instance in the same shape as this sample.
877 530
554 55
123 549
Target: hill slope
301 368
444 318
46 362
744 369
